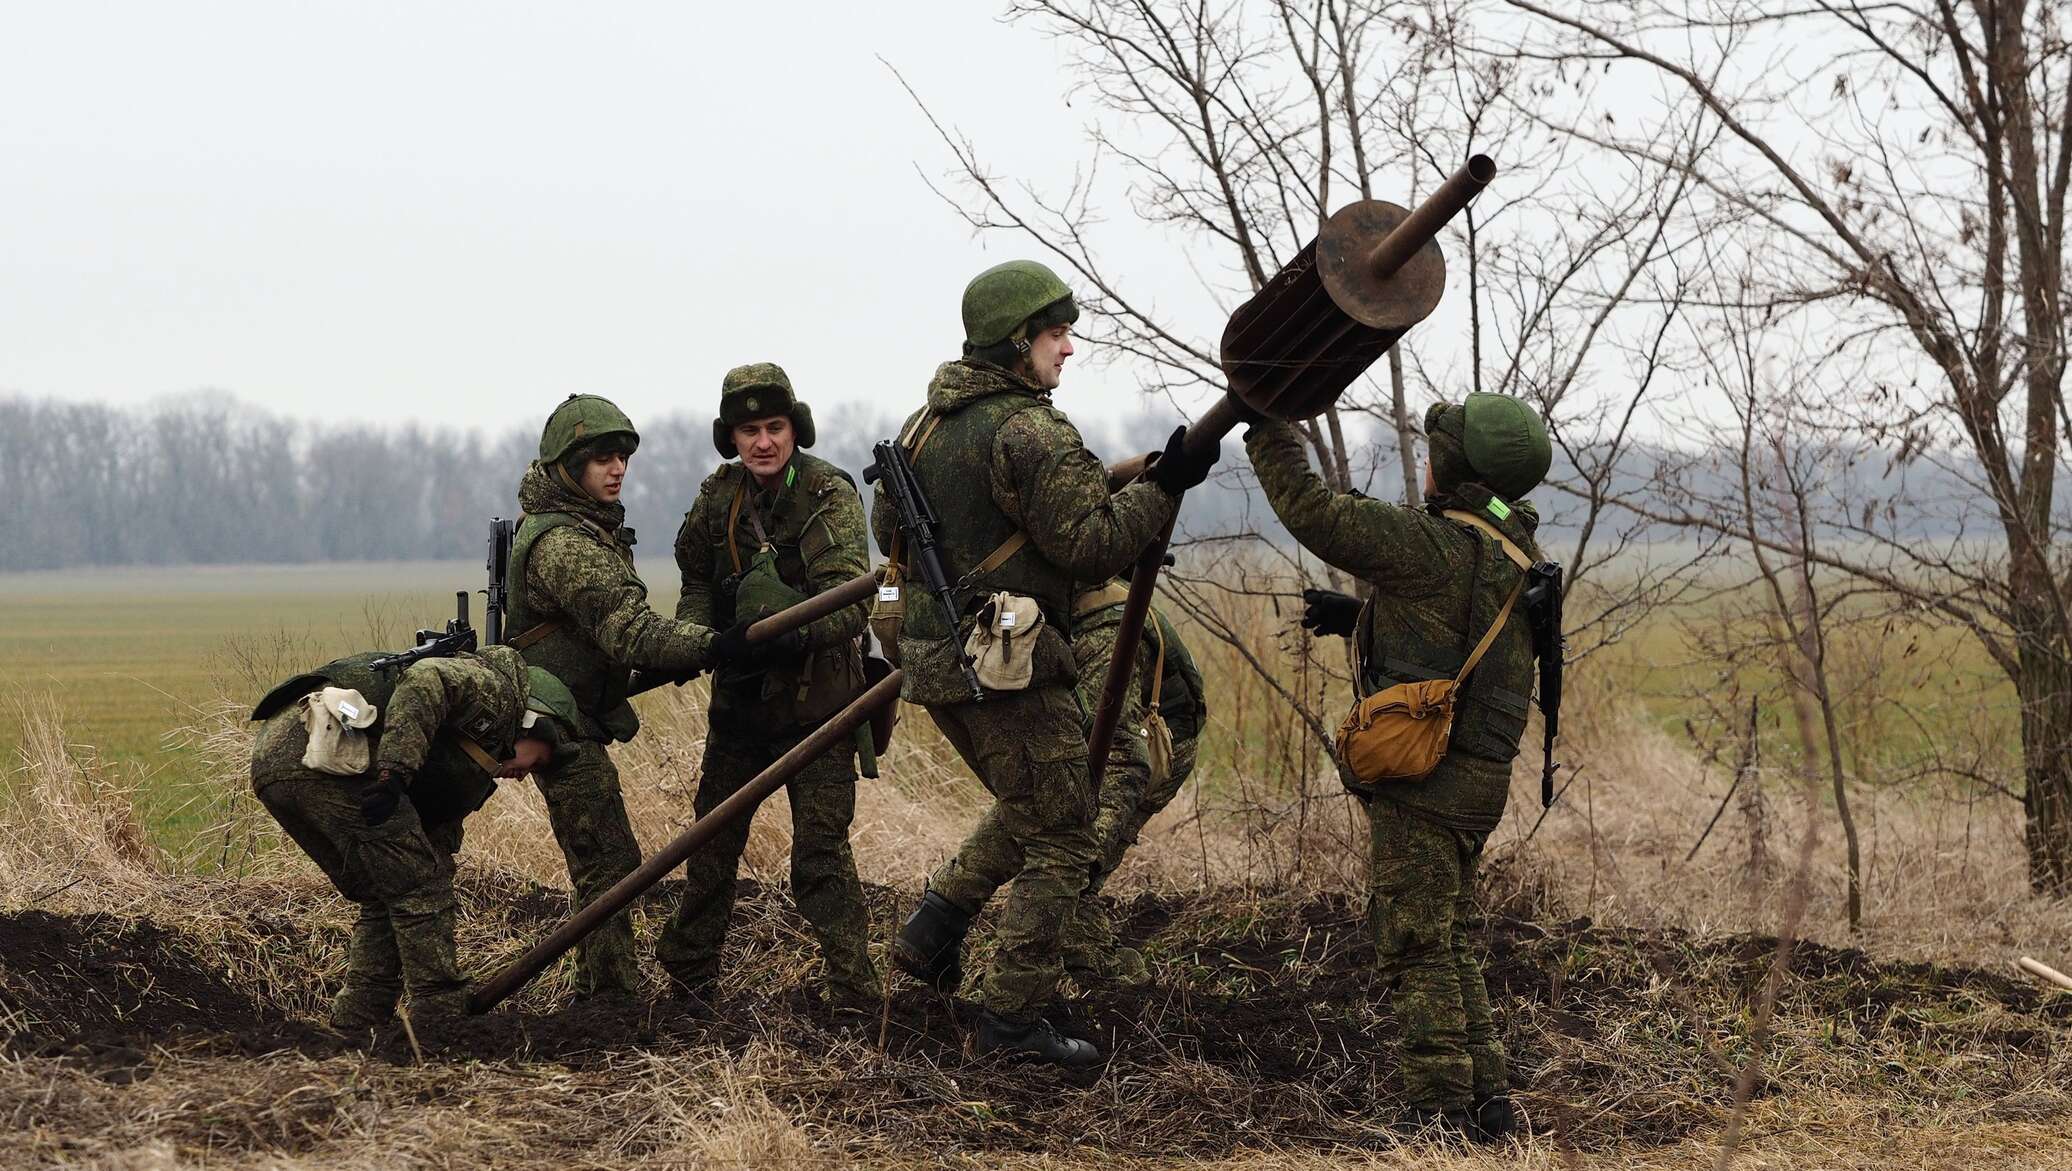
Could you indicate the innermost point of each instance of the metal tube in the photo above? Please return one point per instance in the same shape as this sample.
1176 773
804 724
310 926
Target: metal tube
1115 685
1422 225
819 606
669 857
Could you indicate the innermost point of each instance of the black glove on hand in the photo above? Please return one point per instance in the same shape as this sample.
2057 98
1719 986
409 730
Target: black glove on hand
732 648
1329 612
1176 471
379 800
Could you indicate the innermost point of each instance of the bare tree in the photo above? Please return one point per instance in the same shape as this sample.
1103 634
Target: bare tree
1894 176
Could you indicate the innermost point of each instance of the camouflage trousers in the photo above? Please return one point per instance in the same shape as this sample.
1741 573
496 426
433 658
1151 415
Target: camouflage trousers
1129 799
1423 913
1028 749
823 870
401 874
588 813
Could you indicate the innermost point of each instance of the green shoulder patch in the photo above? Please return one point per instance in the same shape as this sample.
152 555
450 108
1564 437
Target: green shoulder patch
1499 509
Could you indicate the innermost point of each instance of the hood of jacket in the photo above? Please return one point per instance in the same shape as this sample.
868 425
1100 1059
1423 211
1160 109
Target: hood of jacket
963 382
541 491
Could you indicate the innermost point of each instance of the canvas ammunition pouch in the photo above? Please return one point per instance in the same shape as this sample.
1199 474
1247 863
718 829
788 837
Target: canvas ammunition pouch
336 719
1402 731
1002 643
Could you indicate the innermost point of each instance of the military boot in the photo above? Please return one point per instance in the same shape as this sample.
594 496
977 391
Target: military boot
1496 1117
1429 1125
1440 1126
437 1019
1034 1041
357 1009
930 945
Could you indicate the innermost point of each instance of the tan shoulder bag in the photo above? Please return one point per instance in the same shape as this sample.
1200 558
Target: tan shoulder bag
1400 733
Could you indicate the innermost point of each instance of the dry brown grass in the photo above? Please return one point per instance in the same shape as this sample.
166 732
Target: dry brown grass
1630 1032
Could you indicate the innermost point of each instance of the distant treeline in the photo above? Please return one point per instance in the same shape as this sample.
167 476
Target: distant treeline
208 479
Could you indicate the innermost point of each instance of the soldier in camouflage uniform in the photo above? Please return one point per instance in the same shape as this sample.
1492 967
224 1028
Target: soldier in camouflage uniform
763 534
580 612
386 836
1438 584
1024 510
1133 788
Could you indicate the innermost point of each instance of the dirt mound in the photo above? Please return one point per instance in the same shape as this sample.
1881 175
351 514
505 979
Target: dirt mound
97 973
103 989
1260 1026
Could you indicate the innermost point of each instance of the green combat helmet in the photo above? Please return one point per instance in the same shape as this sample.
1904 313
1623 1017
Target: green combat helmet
759 390
1492 439
1008 302
579 422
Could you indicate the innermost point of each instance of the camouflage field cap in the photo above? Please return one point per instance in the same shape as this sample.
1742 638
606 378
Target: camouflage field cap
549 696
999 300
1500 439
580 420
759 390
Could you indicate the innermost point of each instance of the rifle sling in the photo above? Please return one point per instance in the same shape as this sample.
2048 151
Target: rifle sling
519 642
479 755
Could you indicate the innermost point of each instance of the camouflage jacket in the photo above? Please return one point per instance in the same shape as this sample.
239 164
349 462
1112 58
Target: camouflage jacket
1002 459
434 718
580 611
814 522
1181 695
1438 584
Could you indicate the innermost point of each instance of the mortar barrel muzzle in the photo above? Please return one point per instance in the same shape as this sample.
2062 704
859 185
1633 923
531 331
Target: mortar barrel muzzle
1423 224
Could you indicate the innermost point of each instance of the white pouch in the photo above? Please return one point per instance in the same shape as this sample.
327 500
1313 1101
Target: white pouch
1003 642
335 718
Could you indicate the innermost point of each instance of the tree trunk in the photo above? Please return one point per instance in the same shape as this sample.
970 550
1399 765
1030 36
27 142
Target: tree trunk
2044 687
1406 434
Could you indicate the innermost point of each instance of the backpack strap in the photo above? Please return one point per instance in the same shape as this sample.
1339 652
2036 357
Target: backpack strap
1518 558
734 522
478 754
1489 638
1113 594
916 438
1517 555
532 634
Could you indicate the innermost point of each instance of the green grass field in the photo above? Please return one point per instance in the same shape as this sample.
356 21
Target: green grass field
129 657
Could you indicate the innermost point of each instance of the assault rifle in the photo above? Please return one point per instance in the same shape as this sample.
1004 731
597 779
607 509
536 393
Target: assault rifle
498 596
917 523
457 638
1550 646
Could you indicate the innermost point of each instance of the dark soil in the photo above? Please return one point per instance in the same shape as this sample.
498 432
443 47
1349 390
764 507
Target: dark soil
1260 1026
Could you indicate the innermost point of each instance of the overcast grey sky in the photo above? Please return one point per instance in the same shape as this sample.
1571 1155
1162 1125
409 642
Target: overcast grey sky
460 212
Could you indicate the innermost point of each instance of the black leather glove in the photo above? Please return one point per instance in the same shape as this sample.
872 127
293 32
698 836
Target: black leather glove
1175 470
378 801
731 648
1329 612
